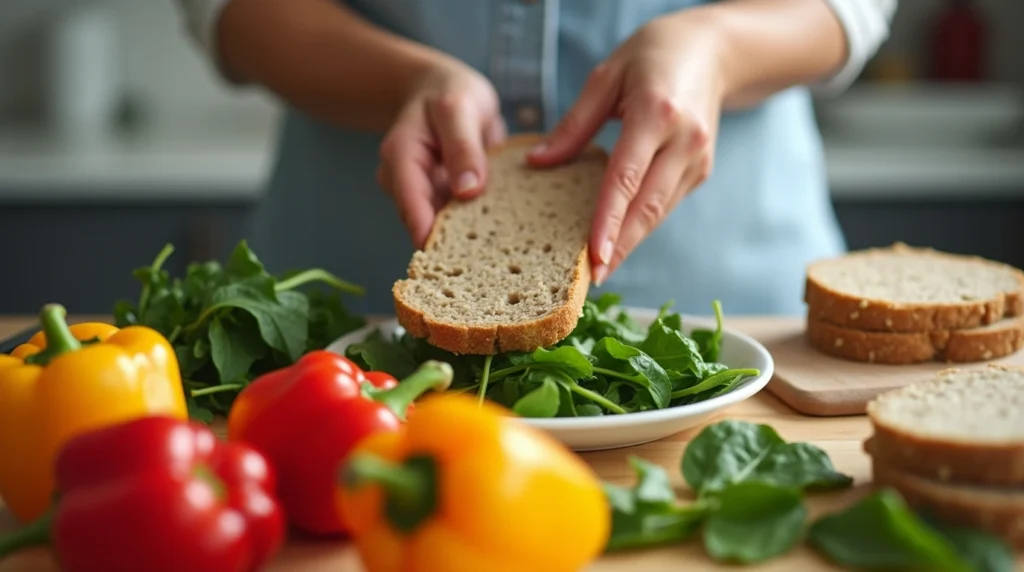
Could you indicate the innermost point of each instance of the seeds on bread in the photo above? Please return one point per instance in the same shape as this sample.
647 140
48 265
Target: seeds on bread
991 341
908 289
963 425
508 270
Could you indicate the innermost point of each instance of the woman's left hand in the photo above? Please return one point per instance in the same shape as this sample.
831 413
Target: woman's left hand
666 86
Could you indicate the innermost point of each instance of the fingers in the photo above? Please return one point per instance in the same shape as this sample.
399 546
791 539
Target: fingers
458 127
582 121
407 167
627 168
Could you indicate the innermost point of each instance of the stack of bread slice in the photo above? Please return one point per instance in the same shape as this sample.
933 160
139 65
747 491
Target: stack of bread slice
953 446
901 305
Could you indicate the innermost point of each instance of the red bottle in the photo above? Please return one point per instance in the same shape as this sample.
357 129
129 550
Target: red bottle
959 45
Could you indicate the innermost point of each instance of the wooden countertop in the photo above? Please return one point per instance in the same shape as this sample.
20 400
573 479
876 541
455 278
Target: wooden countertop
840 437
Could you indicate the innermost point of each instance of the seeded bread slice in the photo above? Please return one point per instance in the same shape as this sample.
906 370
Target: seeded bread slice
993 341
908 289
509 270
964 425
999 511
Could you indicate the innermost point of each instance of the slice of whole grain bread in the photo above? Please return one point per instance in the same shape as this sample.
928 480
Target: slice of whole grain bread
508 270
983 343
908 289
963 425
999 511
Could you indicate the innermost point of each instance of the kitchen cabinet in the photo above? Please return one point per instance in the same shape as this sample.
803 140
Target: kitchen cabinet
81 254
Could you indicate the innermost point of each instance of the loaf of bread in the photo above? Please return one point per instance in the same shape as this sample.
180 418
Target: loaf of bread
907 289
992 341
508 270
963 425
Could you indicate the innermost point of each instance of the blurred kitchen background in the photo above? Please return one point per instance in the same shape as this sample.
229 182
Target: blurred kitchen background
116 138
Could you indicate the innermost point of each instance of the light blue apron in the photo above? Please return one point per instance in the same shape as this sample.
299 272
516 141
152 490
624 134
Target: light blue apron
744 237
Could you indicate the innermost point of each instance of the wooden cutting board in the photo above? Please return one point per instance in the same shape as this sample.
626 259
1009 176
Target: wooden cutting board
817 384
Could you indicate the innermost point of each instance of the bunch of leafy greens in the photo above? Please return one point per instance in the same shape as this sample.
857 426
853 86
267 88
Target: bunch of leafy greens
750 486
607 365
233 322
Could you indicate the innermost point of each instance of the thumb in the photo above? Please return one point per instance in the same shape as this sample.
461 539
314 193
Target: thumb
582 121
459 130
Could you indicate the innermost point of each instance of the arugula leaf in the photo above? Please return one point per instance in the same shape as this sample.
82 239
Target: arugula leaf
566 359
754 521
731 451
543 401
881 532
627 362
710 341
648 514
229 324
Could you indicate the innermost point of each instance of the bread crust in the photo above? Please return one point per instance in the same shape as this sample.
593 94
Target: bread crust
899 348
498 338
998 511
941 458
828 305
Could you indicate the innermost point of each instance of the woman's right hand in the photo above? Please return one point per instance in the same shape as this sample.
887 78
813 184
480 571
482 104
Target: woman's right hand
436 148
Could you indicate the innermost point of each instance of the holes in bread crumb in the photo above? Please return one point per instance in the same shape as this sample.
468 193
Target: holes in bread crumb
472 235
437 268
522 227
485 210
555 289
448 293
515 298
454 272
506 251
558 185
540 312
547 248
431 276
515 269
551 215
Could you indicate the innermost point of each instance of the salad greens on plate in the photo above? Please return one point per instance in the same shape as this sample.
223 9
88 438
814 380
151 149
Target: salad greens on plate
609 364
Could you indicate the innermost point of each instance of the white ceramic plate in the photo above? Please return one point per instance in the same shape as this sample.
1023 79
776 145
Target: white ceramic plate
613 431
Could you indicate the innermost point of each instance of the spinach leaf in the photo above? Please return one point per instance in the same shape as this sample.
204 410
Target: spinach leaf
881 532
543 401
980 550
627 362
733 451
672 350
648 514
566 359
232 349
753 522
375 353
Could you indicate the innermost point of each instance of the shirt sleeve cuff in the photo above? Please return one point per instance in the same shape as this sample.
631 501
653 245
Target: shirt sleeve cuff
866 25
200 18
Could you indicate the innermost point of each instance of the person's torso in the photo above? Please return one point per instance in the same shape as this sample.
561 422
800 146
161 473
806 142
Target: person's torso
744 237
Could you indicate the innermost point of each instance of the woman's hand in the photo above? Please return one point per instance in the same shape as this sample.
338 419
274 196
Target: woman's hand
436 148
666 86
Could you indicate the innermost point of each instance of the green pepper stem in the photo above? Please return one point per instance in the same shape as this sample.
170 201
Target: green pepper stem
59 339
35 533
410 487
432 374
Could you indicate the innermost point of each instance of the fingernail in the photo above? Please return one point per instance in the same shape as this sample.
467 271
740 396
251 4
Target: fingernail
600 273
605 254
467 182
539 149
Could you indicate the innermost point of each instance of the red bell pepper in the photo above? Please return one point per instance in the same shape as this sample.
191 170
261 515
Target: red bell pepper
305 419
158 494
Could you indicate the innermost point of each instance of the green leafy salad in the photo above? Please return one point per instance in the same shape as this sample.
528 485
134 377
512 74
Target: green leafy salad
608 365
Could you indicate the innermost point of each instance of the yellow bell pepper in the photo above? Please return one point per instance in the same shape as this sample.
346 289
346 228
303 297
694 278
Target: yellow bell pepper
67 381
465 487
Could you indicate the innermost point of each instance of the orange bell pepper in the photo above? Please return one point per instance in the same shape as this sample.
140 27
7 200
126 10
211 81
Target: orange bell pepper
66 381
465 487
